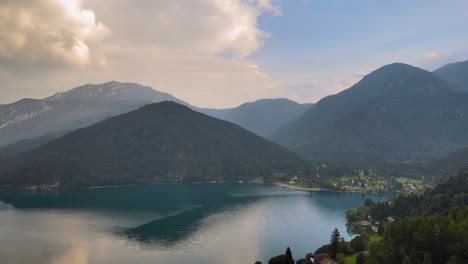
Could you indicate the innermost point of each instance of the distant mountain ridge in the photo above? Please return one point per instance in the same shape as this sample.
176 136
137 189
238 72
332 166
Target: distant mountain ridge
88 104
76 108
162 142
396 113
263 116
456 73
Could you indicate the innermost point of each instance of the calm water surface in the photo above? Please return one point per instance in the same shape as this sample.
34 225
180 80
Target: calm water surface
169 223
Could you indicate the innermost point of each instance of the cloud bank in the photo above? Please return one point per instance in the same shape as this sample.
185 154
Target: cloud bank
196 50
48 33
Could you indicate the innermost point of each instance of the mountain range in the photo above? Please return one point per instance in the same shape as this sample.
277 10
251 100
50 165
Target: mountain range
88 104
162 142
396 113
79 107
356 124
262 117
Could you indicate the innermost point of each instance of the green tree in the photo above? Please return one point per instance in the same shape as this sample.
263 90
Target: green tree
360 258
334 242
340 258
381 229
288 253
427 258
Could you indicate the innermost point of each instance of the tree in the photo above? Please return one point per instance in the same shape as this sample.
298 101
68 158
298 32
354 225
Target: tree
288 253
369 202
334 242
258 262
381 229
427 258
283 259
358 243
340 258
360 258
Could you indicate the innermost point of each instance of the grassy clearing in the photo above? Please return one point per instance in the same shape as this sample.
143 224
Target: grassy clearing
351 259
375 238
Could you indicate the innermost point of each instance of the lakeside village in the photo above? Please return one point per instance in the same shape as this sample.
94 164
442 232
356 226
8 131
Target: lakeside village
352 181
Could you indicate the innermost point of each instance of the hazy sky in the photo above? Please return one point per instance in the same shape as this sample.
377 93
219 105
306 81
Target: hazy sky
219 53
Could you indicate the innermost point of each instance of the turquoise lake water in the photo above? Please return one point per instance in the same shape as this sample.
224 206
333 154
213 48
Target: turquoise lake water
169 223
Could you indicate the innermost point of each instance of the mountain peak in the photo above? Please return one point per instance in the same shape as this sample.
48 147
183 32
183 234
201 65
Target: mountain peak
396 76
398 70
161 142
397 112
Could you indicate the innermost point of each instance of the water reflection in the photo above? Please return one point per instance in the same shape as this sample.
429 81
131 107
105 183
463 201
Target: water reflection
199 223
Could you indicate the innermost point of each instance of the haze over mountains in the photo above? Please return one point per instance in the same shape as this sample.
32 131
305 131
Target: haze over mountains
396 113
163 142
88 104
76 108
263 117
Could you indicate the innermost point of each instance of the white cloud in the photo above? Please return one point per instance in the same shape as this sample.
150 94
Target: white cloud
207 27
195 50
47 32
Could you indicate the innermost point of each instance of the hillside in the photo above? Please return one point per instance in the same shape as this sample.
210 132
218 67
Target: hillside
19 147
79 107
396 113
163 142
88 104
430 228
456 73
261 117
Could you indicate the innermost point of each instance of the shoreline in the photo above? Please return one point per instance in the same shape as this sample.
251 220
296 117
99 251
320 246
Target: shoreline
280 184
289 186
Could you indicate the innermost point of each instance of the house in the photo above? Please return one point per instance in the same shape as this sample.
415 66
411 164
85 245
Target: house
317 258
391 219
327 261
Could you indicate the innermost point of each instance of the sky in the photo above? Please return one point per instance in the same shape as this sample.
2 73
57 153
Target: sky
221 53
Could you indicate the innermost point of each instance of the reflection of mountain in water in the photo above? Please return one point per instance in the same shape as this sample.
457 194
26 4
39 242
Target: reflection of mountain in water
176 228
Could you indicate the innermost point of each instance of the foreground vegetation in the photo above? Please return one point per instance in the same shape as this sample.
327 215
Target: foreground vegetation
431 227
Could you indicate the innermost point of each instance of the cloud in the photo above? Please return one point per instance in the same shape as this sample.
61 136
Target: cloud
206 27
195 50
47 33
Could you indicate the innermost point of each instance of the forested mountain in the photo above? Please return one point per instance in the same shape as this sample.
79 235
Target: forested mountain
88 104
162 142
456 73
396 113
79 107
19 147
261 117
432 171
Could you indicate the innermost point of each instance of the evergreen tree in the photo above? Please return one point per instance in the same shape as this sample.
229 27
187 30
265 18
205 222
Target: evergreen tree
381 229
334 243
288 253
360 258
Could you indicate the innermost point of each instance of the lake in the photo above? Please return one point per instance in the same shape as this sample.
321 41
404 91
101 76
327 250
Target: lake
169 223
